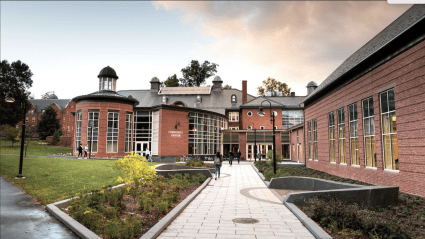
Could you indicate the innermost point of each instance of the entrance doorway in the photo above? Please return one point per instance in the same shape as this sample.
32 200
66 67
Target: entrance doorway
286 151
261 149
141 148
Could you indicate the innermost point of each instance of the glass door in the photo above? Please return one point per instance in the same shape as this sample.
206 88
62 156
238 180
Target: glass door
138 149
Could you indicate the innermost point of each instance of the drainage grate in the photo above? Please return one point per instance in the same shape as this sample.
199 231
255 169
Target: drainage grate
245 220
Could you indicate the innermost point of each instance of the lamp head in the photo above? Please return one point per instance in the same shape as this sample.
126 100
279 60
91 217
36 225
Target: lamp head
261 112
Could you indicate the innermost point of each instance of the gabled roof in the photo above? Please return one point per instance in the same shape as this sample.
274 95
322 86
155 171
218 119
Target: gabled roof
41 104
412 16
276 102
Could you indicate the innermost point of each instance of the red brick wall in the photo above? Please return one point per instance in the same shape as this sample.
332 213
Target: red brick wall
104 108
169 145
405 73
260 120
293 144
242 145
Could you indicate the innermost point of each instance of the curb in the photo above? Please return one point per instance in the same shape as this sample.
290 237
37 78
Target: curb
312 227
166 221
84 233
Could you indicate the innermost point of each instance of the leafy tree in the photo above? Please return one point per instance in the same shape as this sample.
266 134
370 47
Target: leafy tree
30 131
171 81
10 133
227 86
273 85
195 74
270 156
56 137
48 124
46 95
15 79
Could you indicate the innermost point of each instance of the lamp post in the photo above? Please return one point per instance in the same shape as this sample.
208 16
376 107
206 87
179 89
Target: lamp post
255 142
91 136
21 157
261 112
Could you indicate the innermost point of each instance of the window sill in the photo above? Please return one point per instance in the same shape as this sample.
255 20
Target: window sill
355 166
316 160
343 164
310 159
371 168
391 171
333 162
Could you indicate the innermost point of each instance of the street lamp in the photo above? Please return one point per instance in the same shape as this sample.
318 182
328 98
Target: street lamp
261 112
255 142
91 136
21 159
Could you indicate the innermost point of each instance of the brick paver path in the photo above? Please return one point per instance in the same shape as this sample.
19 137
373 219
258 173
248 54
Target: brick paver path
210 215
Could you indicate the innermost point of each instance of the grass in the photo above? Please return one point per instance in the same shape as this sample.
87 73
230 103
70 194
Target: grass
33 148
53 179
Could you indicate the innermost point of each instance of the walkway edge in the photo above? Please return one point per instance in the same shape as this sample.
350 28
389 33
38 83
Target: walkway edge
166 221
314 229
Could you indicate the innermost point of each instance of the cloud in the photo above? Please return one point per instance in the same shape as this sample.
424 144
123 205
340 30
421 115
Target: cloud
295 42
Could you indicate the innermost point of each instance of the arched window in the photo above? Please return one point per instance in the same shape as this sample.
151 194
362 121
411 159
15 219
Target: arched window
233 99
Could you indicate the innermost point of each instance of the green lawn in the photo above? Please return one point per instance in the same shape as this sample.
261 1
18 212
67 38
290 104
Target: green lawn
33 149
54 179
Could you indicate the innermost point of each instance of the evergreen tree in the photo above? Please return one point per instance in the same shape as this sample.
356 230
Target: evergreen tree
171 81
196 74
48 124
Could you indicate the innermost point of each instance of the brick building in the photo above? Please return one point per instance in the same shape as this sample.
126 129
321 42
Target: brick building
365 121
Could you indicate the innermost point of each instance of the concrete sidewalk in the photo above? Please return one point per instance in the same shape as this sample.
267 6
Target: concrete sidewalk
21 217
239 193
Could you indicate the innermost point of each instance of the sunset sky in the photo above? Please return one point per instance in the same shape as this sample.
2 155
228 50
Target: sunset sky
66 44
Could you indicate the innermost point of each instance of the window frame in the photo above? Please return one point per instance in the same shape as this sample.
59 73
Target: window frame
95 131
315 146
114 134
262 127
394 168
331 131
342 140
233 99
249 113
309 140
33 119
355 124
235 115
291 118
367 116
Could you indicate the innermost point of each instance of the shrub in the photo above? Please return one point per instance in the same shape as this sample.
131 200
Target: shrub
163 206
135 168
112 228
56 137
270 156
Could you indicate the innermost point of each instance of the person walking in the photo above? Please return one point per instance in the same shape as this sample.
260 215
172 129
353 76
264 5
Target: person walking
217 163
80 150
86 148
231 158
259 157
238 155
147 153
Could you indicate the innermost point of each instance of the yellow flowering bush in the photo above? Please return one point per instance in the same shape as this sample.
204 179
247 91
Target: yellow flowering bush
135 168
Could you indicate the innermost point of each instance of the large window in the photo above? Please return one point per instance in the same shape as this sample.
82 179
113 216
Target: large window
205 133
315 152
78 129
112 133
310 156
142 129
127 147
233 116
341 136
107 83
354 135
291 118
332 137
389 130
93 132
369 132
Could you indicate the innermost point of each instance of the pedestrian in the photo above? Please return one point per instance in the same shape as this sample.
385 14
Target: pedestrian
80 150
231 158
259 157
217 164
86 148
238 155
147 153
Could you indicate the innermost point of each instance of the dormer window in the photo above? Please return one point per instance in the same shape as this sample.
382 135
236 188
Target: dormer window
233 99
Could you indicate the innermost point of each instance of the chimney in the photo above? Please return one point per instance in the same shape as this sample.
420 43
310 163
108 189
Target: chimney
244 94
217 84
292 94
155 84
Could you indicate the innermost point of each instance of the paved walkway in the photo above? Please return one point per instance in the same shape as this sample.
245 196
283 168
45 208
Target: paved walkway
21 217
210 215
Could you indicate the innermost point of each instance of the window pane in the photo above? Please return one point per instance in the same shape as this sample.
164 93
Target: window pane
373 151
385 124
394 151
372 126
342 156
368 155
366 126
384 102
393 127
391 101
366 108
371 111
355 111
357 152
353 151
387 152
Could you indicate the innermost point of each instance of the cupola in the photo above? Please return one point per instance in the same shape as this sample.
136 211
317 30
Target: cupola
155 83
311 86
107 79
217 83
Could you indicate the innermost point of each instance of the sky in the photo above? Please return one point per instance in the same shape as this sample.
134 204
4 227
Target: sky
67 44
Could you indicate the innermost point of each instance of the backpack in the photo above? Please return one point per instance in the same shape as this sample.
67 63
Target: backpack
217 161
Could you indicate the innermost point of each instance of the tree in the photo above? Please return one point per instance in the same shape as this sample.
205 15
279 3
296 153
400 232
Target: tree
48 124
10 133
195 74
273 85
30 131
15 79
56 137
227 86
46 95
171 81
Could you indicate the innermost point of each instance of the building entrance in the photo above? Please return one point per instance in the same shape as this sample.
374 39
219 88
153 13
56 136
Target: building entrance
261 149
141 148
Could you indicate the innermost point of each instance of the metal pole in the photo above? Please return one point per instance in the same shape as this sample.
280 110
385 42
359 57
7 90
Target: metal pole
21 159
91 137
255 143
274 145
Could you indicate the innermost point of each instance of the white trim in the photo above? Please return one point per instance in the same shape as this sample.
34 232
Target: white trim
248 113
355 166
391 171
